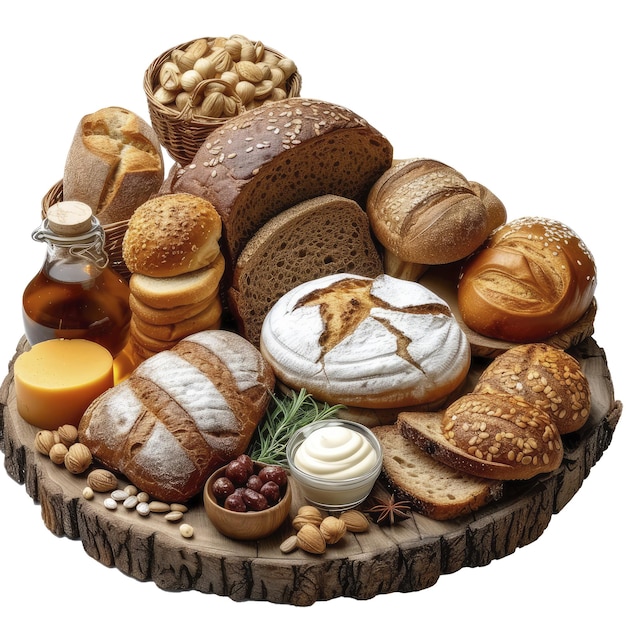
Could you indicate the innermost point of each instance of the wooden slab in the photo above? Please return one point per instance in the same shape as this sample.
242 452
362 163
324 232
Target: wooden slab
407 557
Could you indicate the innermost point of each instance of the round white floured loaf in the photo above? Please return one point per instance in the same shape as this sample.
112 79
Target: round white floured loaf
366 342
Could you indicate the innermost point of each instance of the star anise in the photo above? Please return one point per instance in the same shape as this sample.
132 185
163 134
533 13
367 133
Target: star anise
388 511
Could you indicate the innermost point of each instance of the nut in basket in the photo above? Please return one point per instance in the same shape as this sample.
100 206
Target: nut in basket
195 87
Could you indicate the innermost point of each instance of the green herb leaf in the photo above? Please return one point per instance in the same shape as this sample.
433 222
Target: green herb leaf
285 415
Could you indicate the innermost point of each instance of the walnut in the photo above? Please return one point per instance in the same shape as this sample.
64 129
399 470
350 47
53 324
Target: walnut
78 458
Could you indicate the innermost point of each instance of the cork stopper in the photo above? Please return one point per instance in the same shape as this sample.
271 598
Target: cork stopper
69 218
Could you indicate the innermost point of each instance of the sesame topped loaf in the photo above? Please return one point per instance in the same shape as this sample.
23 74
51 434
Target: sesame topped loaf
280 154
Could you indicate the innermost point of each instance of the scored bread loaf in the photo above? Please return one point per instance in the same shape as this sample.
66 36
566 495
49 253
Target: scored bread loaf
533 278
425 212
181 414
366 342
114 164
489 435
433 488
317 237
170 235
545 376
274 156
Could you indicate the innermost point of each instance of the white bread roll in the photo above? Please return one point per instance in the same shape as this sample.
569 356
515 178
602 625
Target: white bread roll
181 414
171 235
114 164
366 342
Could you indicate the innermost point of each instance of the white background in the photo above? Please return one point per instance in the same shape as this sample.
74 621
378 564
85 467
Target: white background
526 98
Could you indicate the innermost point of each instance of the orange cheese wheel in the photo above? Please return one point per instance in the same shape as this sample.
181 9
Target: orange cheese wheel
56 380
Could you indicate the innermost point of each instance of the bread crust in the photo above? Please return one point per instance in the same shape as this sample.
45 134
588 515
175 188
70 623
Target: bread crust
114 164
497 436
534 278
366 342
545 376
181 414
171 235
277 155
426 212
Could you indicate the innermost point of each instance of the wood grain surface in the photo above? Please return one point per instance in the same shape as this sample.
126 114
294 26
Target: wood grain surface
409 556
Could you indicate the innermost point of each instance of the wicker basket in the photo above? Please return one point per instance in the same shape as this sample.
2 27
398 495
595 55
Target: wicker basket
114 233
182 132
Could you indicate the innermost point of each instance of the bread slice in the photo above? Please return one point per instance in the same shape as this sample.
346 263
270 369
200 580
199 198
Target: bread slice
173 291
434 489
318 237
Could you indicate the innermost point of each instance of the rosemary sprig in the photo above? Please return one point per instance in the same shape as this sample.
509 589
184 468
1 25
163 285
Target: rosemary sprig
285 415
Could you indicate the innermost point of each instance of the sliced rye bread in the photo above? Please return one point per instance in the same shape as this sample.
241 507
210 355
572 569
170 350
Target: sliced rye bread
318 237
433 488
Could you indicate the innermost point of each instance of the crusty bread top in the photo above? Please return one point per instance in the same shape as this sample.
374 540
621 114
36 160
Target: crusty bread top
317 237
497 436
426 212
181 414
114 164
534 278
366 342
171 235
277 155
545 376
433 488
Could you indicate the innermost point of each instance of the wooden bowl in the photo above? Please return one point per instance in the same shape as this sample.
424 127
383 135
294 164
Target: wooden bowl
250 525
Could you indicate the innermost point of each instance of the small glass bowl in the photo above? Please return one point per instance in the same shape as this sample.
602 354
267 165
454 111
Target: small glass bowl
334 494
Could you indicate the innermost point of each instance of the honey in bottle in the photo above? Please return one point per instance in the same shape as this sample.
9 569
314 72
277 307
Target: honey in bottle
76 295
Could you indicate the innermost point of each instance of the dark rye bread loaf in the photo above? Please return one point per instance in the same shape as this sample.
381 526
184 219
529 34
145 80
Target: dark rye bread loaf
433 489
317 237
181 414
277 155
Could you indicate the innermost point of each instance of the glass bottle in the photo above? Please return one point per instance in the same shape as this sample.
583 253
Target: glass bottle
76 294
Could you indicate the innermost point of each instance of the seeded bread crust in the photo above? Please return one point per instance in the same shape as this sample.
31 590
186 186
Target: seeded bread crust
170 235
496 436
545 376
277 155
317 237
181 414
433 488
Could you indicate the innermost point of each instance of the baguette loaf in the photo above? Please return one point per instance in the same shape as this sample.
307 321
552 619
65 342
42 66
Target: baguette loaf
547 377
497 436
366 342
114 164
315 238
274 156
533 278
433 488
181 414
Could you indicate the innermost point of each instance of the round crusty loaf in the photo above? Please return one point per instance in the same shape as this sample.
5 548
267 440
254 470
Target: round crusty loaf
534 278
114 164
277 155
425 212
181 414
170 235
545 376
366 342
490 435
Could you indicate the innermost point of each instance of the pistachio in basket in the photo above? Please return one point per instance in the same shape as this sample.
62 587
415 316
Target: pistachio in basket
216 77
